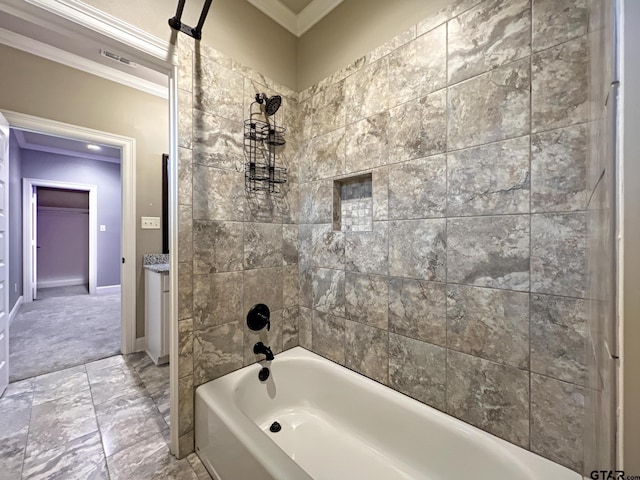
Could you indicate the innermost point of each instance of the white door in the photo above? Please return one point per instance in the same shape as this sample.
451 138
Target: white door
34 243
4 253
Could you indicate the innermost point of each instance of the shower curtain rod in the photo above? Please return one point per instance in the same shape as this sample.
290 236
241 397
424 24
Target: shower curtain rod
176 22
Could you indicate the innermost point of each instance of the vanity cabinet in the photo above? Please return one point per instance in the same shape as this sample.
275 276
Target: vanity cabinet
157 316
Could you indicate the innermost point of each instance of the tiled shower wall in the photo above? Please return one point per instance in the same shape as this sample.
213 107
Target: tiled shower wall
235 249
470 293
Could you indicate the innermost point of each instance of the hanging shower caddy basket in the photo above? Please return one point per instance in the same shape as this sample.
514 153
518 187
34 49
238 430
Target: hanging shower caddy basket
263 140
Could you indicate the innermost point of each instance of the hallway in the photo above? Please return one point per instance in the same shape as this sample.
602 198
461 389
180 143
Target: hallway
66 327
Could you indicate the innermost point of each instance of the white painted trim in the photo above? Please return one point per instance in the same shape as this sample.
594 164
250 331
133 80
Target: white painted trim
15 309
27 188
174 351
101 22
127 146
67 282
54 54
141 344
108 290
297 24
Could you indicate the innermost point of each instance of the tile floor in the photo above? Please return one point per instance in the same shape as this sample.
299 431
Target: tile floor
106 419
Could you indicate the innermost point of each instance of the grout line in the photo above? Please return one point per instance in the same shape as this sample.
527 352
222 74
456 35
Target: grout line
530 205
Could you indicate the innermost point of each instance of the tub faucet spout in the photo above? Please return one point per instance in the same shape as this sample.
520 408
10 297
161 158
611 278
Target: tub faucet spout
261 348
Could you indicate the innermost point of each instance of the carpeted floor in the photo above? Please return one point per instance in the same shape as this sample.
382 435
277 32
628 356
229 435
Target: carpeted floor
64 328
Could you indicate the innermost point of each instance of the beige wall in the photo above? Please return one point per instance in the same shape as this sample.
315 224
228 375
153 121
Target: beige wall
38 87
233 27
353 29
631 220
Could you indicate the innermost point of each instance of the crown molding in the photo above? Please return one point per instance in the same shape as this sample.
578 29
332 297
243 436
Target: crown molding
297 24
24 145
29 45
98 21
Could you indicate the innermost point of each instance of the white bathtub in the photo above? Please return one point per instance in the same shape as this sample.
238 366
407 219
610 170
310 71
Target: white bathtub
339 425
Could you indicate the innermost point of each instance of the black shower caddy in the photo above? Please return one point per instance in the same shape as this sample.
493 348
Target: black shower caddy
262 142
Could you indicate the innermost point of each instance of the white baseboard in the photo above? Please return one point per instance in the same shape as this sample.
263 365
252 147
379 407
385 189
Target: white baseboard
141 344
14 310
68 282
108 290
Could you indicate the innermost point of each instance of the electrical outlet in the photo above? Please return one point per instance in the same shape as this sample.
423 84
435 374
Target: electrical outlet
103 228
150 223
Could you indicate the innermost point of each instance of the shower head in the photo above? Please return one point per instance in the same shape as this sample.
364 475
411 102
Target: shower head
272 104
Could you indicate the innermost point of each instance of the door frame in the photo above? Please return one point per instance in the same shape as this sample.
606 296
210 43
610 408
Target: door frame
127 147
27 256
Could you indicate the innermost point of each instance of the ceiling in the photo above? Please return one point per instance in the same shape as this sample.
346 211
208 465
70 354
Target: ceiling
65 146
297 16
296 6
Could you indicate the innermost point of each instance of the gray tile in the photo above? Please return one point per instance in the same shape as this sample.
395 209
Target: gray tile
217 89
315 202
185 121
185 290
417 249
556 21
328 291
60 421
262 245
290 286
367 91
290 327
305 328
388 47
490 179
417 369
327 154
558 257
80 459
185 347
263 286
367 299
198 467
419 67
558 337
419 128
488 323
306 286
217 299
418 188
125 419
418 309
489 396
500 98
217 246
555 102
185 177
327 247
492 34
327 337
217 141
12 446
185 405
185 233
559 170
60 384
380 185
329 109
367 145
290 245
107 384
489 251
217 351
218 194
557 412
367 351
149 459
367 252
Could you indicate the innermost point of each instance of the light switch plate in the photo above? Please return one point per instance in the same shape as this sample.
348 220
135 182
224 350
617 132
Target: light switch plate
103 228
150 223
